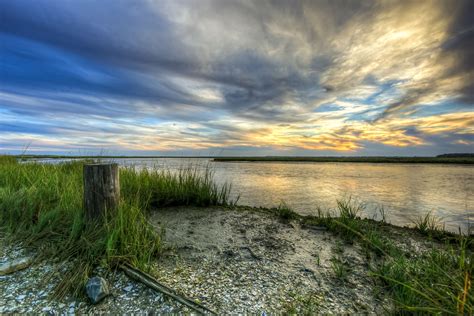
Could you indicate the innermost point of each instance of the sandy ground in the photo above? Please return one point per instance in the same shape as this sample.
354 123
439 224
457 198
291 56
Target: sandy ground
231 260
243 260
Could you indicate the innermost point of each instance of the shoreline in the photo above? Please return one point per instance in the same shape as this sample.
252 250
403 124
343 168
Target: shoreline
243 259
388 160
362 159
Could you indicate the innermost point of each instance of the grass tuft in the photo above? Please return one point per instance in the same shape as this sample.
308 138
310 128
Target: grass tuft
151 188
285 212
340 268
434 281
41 207
349 209
427 224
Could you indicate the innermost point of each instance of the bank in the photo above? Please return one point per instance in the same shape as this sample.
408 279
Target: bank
253 260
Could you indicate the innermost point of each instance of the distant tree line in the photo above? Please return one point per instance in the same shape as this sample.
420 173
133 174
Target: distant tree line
456 155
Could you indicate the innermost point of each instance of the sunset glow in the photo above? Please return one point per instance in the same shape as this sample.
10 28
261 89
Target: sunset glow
237 77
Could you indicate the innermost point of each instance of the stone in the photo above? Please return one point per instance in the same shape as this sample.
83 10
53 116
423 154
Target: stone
97 289
20 297
46 309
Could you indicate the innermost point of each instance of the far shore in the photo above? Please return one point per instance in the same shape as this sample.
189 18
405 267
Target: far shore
438 160
444 159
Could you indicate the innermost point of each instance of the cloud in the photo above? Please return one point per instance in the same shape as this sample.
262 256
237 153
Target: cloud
322 76
451 62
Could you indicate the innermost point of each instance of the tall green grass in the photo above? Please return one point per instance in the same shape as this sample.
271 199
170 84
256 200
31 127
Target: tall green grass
41 206
187 186
436 280
427 224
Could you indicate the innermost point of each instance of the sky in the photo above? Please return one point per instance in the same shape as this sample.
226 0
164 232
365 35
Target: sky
218 77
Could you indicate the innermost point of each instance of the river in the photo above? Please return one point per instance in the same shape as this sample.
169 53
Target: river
404 191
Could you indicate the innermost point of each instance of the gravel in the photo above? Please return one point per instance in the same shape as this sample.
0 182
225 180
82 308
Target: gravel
30 291
243 261
231 261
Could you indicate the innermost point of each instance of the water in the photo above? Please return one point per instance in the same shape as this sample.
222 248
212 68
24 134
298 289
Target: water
405 191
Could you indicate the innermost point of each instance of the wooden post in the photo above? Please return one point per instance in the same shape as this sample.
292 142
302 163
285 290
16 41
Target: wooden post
101 189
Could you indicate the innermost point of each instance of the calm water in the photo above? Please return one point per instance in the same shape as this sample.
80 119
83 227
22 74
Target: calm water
405 191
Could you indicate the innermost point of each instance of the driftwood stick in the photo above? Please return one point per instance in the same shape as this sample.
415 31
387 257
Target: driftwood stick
15 265
149 281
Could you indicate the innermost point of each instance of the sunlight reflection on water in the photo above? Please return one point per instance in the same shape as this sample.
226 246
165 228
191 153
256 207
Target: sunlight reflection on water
405 191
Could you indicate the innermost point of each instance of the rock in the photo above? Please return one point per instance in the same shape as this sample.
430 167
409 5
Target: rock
128 288
97 289
20 297
229 253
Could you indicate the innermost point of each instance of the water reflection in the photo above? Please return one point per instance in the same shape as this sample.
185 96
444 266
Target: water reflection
404 190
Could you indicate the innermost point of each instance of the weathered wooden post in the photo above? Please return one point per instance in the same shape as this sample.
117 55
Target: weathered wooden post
101 189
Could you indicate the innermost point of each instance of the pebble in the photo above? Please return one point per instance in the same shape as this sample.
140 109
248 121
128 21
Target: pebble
97 289
20 297
37 300
228 283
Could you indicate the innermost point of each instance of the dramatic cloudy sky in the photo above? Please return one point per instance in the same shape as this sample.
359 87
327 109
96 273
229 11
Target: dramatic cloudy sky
237 77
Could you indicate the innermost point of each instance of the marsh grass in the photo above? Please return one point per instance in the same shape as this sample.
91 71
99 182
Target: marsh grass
444 160
436 280
349 209
285 212
427 224
340 268
187 186
303 304
41 207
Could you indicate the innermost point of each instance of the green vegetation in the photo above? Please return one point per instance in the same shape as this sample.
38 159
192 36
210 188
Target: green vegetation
303 304
101 156
150 188
41 206
427 224
436 280
284 212
445 160
340 268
